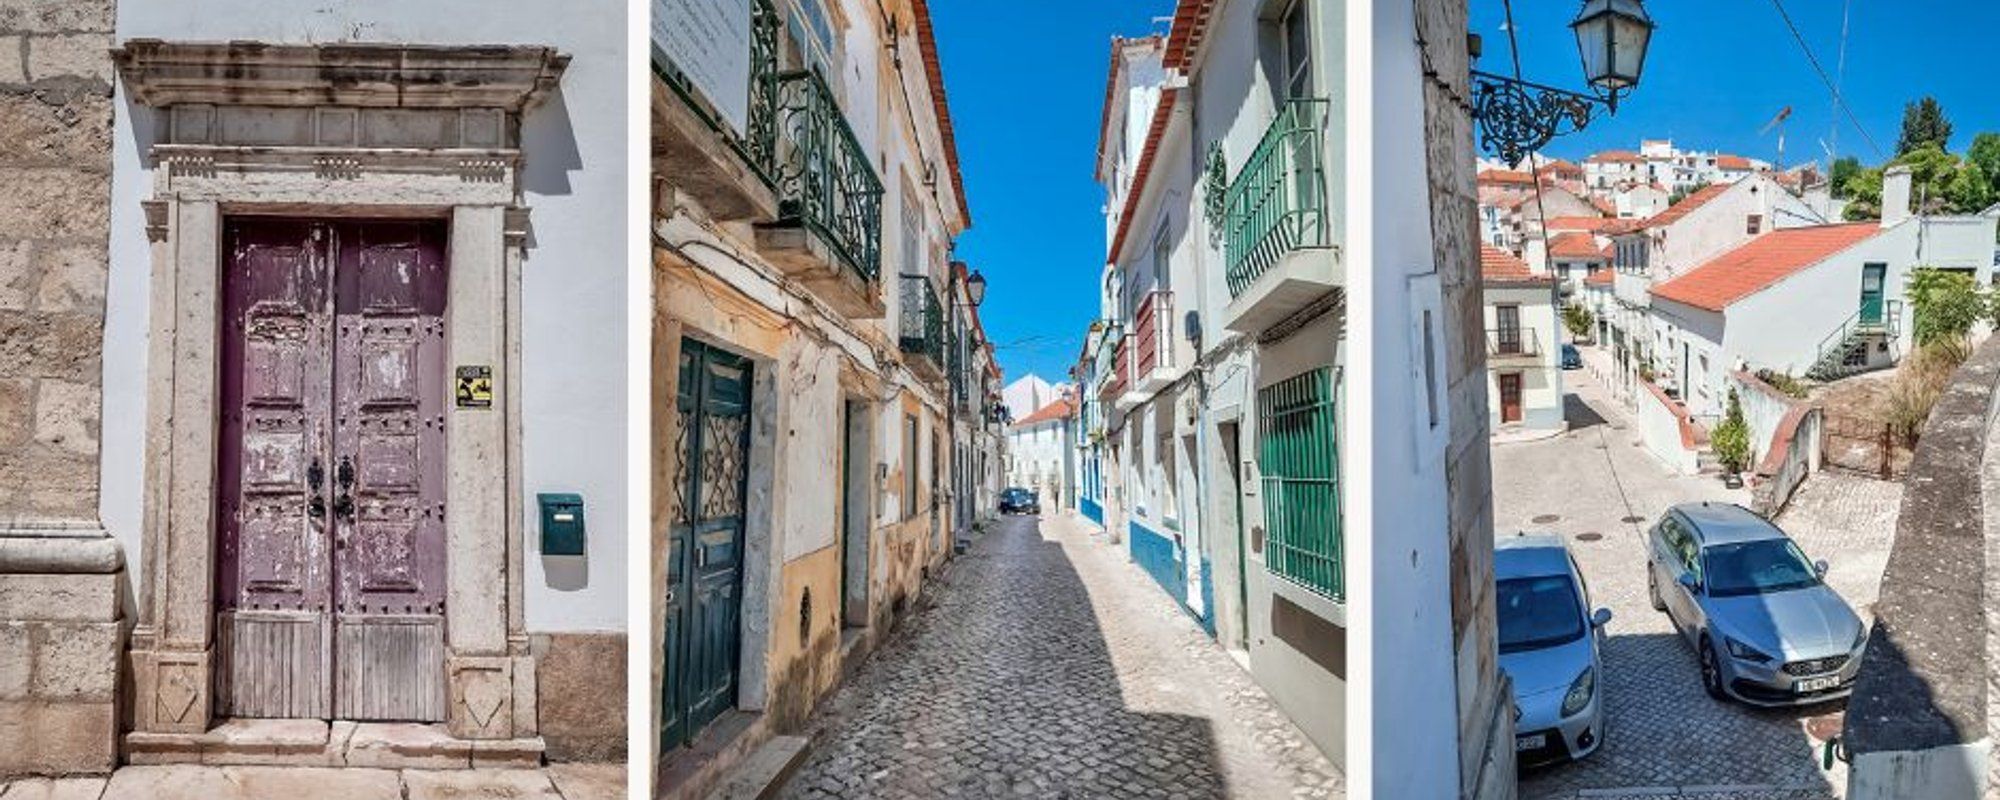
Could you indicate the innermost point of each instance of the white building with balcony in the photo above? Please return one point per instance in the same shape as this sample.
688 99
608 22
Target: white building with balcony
1218 357
1821 302
1523 338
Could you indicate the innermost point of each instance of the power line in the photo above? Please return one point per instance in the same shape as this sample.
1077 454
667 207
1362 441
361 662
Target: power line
1831 86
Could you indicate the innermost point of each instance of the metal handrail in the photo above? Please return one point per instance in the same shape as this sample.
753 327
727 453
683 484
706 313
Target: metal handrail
921 328
1278 202
824 179
1512 342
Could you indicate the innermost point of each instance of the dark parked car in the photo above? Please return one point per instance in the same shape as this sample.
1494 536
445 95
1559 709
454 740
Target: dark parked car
1019 501
1571 358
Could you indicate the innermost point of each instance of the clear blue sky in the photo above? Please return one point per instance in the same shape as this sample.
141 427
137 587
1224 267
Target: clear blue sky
1026 83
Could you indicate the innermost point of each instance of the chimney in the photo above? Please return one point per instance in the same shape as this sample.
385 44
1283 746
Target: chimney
1535 251
1895 195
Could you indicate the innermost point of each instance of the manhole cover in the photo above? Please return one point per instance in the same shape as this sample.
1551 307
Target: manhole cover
1589 537
1544 519
1632 520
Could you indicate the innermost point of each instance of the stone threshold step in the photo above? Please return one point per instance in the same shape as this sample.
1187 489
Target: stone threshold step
765 772
318 743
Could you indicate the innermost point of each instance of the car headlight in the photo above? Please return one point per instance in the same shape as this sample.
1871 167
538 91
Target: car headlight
1580 691
1745 652
1860 639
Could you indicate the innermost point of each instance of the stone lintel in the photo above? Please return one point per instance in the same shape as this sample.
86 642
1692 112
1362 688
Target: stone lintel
513 77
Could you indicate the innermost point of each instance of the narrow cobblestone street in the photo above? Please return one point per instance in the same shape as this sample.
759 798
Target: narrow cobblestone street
1664 737
1044 665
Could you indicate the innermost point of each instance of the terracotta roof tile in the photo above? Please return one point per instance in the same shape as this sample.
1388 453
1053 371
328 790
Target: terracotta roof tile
1154 133
1766 260
1732 162
1185 34
1614 157
1506 177
1060 409
927 42
1499 266
1601 277
1687 205
1575 244
1580 223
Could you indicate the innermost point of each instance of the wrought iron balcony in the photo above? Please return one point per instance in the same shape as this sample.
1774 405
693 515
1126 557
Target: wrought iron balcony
1510 344
921 329
825 183
1278 202
1116 379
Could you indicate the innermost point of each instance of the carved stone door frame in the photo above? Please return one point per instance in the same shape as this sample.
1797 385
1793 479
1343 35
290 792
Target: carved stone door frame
377 131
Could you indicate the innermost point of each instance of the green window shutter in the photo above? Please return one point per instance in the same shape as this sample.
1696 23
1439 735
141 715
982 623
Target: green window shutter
1298 453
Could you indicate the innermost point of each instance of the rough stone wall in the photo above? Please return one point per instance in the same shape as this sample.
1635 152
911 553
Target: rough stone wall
1485 734
55 185
60 627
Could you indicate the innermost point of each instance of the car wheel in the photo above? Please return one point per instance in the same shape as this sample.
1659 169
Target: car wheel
1711 671
1653 589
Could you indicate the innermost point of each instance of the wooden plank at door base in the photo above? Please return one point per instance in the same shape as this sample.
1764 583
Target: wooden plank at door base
765 772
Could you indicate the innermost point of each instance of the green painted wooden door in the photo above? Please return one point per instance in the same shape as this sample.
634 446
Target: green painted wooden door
1871 293
705 540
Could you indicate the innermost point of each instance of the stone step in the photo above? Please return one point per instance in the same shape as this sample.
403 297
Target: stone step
318 743
765 772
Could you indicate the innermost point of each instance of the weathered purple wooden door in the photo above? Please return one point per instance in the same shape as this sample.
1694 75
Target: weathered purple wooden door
332 570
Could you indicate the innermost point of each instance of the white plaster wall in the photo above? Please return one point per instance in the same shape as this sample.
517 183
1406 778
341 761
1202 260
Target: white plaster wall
1399 474
1035 452
1720 225
574 284
1702 333
1541 384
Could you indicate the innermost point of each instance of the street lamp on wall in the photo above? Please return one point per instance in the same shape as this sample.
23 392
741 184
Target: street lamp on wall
975 287
1517 117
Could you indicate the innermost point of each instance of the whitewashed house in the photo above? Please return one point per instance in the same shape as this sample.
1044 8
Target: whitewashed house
1702 225
1821 301
1523 344
1214 416
1038 447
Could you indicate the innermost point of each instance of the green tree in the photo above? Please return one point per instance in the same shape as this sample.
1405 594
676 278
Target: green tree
1985 151
1578 320
1970 190
1731 439
1863 191
1931 173
1680 194
1838 175
1945 304
1924 123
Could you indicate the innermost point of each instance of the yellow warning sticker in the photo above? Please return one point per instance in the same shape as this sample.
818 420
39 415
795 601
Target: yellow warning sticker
475 387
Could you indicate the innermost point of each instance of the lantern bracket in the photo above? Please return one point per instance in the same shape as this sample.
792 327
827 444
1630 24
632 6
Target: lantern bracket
1518 117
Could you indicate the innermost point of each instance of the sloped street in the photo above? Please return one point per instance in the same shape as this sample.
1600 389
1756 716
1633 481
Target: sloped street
1047 666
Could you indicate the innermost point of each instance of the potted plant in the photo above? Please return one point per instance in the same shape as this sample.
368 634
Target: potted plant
1731 441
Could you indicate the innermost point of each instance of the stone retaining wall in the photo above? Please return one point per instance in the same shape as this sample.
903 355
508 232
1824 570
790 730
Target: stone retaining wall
1917 724
61 622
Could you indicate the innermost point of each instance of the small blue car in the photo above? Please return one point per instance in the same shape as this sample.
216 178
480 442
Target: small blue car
1571 358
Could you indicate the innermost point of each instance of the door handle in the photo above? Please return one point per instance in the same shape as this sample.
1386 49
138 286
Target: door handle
343 503
315 475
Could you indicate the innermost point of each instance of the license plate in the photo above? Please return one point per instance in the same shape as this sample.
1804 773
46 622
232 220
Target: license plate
1820 684
1535 742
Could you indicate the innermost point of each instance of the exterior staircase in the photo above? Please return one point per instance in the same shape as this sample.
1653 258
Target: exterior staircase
1846 351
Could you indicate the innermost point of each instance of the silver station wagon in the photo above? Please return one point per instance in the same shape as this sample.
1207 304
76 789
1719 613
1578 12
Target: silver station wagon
1767 629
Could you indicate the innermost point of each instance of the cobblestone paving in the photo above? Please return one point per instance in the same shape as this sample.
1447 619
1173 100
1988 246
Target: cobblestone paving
1047 666
1663 733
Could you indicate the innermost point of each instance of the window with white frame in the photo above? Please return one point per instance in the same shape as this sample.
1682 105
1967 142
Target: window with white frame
1295 28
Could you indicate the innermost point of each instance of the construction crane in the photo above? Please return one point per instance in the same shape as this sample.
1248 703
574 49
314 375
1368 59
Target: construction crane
1779 123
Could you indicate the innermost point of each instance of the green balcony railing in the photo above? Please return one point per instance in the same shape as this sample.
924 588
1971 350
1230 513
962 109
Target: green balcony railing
757 143
824 180
1298 451
922 325
1278 202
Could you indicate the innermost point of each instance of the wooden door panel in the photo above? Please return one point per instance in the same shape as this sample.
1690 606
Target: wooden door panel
272 582
389 556
705 521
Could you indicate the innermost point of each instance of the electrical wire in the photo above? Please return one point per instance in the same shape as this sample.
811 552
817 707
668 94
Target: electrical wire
1830 84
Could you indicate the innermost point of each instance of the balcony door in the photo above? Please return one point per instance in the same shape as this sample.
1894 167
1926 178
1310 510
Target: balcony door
1507 330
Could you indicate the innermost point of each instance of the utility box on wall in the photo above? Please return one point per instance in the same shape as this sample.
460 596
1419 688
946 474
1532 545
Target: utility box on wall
562 524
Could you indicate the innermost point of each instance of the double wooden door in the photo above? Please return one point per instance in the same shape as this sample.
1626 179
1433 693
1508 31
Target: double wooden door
330 584
705 521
